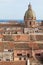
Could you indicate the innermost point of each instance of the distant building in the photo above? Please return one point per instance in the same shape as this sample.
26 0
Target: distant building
21 41
42 22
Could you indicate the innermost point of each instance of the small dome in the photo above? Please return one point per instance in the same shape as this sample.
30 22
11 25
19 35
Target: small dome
30 14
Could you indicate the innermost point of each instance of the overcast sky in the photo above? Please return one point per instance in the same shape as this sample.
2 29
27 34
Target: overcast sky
15 9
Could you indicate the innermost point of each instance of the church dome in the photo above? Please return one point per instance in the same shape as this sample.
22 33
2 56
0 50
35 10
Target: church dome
30 14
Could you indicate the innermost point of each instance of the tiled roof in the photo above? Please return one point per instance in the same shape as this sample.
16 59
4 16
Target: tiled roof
29 46
7 38
40 46
1 36
39 37
34 46
6 45
22 46
14 45
1 46
2 29
21 38
12 24
13 63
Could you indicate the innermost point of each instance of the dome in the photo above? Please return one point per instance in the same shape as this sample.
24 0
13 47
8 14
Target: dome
30 14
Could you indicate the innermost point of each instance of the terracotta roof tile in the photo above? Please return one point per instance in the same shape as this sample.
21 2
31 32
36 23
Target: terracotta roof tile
21 38
8 45
39 37
13 63
22 46
40 46
34 46
1 36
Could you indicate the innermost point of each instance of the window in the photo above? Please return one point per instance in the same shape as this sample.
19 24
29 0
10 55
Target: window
10 50
24 58
20 58
37 54
28 55
7 59
0 59
30 22
19 54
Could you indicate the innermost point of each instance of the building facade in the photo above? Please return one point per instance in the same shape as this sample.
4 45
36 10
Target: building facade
22 41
